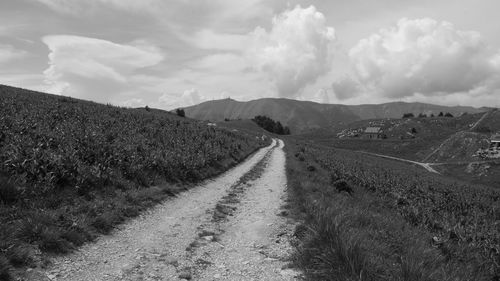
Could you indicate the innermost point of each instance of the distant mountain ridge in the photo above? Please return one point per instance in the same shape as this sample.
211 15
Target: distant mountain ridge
302 116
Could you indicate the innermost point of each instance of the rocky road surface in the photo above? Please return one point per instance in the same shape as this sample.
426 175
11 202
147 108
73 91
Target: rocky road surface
228 228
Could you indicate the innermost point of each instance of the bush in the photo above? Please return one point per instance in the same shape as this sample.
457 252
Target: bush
408 115
180 112
342 186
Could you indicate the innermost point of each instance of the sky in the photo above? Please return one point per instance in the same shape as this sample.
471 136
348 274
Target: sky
175 53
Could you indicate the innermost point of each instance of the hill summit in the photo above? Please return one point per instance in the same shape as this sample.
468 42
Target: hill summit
303 116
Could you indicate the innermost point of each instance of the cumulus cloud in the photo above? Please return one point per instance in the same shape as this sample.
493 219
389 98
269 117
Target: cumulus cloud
188 98
94 68
295 51
321 96
423 57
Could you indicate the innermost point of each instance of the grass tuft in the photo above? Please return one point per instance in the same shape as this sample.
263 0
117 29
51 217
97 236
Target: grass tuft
4 269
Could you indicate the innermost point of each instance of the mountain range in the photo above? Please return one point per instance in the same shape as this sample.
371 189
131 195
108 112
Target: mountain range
303 116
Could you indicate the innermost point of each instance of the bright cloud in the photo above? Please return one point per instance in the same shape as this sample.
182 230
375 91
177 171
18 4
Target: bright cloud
94 68
188 98
296 50
423 57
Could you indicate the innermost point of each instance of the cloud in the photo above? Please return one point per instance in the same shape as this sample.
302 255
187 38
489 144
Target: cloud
133 102
423 57
346 88
321 96
297 49
94 68
77 7
188 98
9 53
209 39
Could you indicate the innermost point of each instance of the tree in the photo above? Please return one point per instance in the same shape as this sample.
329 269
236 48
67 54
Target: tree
440 114
147 108
432 115
408 115
180 112
422 115
413 130
448 114
270 125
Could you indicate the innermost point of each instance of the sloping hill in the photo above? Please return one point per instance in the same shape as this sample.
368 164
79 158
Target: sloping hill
70 169
409 138
303 116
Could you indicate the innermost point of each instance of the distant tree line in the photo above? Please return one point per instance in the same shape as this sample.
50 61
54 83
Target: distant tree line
423 115
270 125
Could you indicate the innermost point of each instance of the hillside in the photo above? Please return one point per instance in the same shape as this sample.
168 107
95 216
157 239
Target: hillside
304 116
370 218
71 169
409 138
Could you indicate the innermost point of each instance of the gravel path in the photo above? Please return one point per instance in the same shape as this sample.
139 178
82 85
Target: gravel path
227 228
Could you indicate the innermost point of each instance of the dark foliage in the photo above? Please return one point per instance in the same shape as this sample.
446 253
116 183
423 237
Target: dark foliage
4 269
448 114
342 186
408 115
180 112
270 125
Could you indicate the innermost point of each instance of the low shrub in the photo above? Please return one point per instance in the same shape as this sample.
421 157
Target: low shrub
342 186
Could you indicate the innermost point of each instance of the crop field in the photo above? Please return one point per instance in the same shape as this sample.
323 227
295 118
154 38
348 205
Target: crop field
368 218
70 169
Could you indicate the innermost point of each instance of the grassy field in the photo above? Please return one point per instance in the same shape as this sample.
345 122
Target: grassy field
72 169
410 138
367 218
476 173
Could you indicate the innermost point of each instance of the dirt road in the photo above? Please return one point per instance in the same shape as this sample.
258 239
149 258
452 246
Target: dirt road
426 166
228 228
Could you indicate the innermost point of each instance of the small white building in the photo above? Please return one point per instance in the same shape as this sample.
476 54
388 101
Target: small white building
495 143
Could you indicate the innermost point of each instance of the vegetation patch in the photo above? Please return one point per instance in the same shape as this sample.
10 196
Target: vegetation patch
72 169
270 125
367 218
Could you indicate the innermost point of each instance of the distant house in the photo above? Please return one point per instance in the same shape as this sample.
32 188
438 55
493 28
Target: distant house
373 133
495 143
